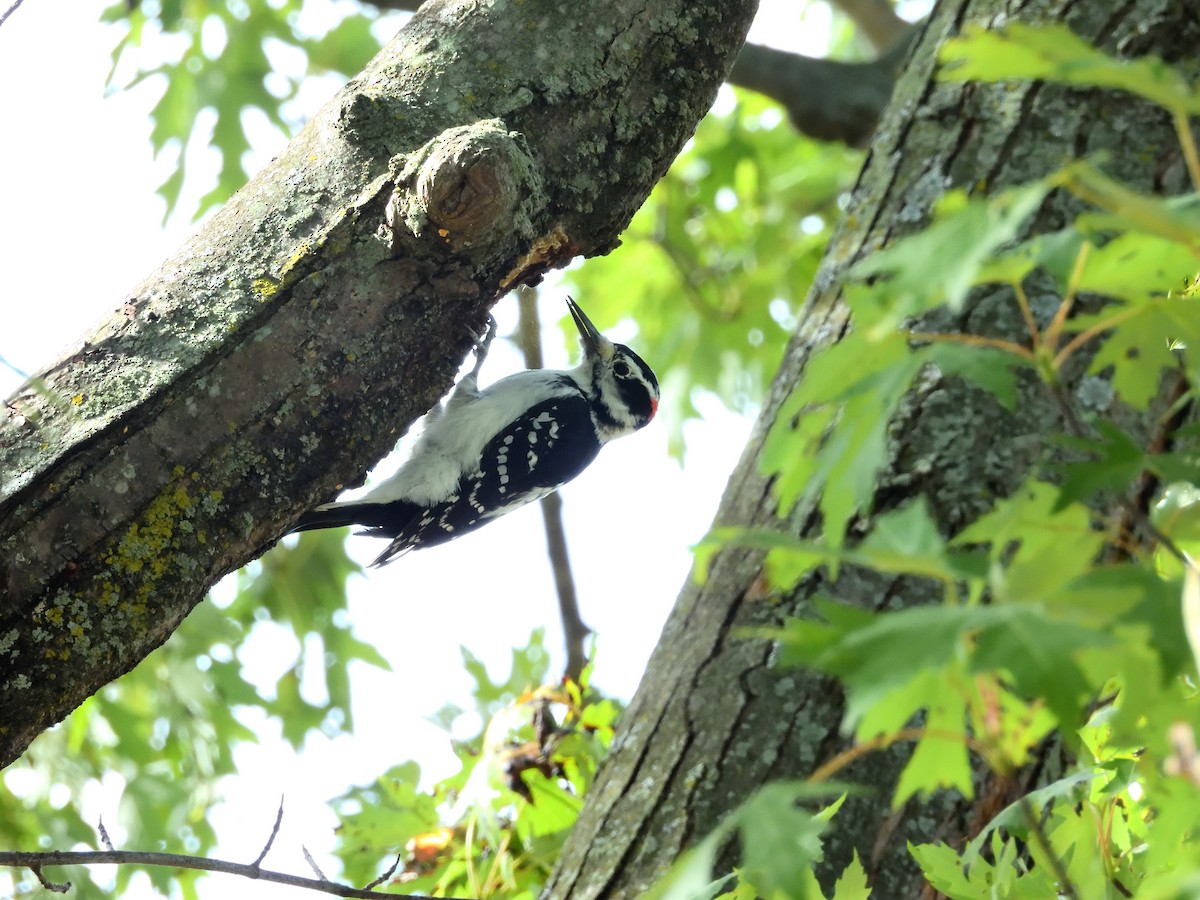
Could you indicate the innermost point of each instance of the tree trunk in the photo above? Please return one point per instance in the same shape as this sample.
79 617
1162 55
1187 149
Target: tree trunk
286 346
712 720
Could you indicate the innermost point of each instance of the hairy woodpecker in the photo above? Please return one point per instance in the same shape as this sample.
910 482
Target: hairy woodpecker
488 452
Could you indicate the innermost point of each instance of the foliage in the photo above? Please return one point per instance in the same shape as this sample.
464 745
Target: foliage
166 732
495 828
228 58
1055 622
1069 614
735 230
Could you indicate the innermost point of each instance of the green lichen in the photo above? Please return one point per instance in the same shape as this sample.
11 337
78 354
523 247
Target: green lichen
265 287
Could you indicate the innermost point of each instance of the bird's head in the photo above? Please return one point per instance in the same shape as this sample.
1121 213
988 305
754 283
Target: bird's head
623 389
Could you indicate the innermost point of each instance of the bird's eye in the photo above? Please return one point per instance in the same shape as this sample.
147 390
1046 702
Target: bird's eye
621 369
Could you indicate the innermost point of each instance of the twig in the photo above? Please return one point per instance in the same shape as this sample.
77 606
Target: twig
270 840
52 886
312 863
108 844
575 631
4 362
4 18
386 875
35 861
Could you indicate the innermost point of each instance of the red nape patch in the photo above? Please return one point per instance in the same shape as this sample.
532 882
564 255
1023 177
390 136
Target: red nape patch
653 407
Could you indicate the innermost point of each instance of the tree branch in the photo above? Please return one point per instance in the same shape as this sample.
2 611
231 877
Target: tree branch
575 631
35 861
11 9
877 20
824 98
276 357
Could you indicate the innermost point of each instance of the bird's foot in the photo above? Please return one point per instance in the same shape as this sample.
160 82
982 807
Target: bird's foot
483 342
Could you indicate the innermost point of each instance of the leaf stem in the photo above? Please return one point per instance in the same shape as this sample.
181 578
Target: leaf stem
1183 130
1064 308
1084 336
971 340
850 754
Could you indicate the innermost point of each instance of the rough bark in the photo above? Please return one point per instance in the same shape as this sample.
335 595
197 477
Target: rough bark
285 347
712 720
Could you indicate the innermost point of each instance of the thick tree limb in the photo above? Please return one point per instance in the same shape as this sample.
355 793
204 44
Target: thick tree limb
284 348
714 718
824 98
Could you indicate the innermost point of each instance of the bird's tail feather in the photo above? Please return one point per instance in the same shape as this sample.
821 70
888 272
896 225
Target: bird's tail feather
370 515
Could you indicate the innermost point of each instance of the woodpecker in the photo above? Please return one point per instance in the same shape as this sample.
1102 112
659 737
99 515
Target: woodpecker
487 452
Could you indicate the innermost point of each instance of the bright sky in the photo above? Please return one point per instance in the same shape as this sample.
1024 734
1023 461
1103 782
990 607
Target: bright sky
80 226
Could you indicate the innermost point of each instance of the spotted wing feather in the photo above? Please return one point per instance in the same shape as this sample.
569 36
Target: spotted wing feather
536 454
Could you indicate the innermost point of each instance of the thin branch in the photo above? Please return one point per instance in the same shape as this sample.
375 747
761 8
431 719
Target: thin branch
575 631
386 875
410 5
52 886
312 864
876 20
4 18
271 839
35 861
108 844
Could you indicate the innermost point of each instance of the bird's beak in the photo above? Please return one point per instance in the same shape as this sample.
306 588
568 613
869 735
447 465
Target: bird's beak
594 343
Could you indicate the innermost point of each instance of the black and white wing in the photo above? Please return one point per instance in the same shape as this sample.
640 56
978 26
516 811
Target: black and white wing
534 455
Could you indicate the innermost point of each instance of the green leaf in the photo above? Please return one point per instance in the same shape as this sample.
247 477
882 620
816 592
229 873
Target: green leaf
1053 545
1055 53
813 448
345 48
876 658
939 264
985 367
943 870
1120 460
781 841
940 759
1175 218
1136 266
852 884
907 540
1055 252
1013 818
1141 343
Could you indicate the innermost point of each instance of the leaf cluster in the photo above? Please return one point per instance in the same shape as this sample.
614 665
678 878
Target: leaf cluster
1069 612
231 60
165 734
734 233
496 827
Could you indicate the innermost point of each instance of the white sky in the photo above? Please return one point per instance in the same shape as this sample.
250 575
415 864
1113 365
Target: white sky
80 226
